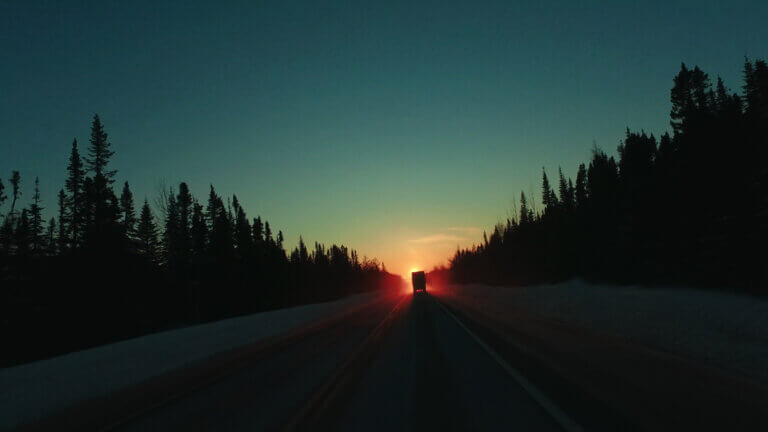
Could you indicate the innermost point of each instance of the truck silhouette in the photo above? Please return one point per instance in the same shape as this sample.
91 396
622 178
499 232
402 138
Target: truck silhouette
419 281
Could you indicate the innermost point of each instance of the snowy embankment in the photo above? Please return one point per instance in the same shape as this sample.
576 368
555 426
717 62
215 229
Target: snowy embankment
36 389
727 331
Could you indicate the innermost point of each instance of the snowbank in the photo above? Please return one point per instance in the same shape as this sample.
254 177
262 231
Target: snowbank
33 390
724 330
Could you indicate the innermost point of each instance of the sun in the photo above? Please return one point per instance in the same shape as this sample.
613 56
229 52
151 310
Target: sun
414 269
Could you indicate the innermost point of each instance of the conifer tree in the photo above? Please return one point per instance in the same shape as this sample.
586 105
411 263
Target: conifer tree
185 204
50 237
21 234
16 188
199 230
258 231
99 152
36 220
75 186
547 195
104 228
267 234
243 238
62 239
3 197
171 237
526 215
146 233
566 193
127 211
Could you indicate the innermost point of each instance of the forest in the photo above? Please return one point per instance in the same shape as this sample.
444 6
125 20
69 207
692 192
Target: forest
688 208
100 270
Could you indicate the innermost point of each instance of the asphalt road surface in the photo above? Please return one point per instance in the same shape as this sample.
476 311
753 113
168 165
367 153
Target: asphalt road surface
402 363
405 364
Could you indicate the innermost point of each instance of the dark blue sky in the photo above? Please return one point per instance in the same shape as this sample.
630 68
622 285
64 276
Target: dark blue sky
401 128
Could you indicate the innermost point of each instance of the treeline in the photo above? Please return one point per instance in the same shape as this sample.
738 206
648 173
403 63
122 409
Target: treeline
100 271
691 207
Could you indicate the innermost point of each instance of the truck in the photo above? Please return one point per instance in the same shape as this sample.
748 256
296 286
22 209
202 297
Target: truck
419 281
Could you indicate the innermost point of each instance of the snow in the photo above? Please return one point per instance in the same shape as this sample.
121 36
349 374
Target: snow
719 329
33 390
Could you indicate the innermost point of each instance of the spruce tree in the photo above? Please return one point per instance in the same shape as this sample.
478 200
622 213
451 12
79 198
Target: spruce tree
127 211
547 196
258 231
21 234
3 197
50 237
199 231
15 181
243 238
99 152
184 203
171 232
63 220
581 186
75 186
267 233
146 233
36 220
526 215
104 228
566 195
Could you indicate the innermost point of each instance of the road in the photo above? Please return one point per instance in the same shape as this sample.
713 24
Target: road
402 363
432 362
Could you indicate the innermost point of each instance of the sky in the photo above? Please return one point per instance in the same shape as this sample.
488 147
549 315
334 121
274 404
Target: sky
402 129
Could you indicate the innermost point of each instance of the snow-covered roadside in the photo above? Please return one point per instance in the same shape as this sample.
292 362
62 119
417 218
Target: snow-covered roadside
724 330
33 390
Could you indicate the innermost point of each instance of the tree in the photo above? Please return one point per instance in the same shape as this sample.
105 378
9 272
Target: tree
267 233
171 235
184 201
526 215
548 197
258 231
146 233
104 228
127 211
581 186
199 230
63 220
75 186
100 152
566 192
2 193
243 238
220 228
36 219
691 98
21 234
16 185
50 237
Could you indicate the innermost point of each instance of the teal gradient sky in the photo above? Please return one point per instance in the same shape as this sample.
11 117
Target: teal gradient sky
402 129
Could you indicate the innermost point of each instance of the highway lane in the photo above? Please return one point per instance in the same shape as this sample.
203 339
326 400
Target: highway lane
422 371
402 363
431 374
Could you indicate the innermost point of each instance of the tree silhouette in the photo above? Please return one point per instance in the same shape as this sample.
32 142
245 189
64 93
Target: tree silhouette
650 216
36 220
127 211
64 219
75 186
15 182
146 233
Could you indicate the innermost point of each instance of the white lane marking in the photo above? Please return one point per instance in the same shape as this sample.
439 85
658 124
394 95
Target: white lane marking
560 417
